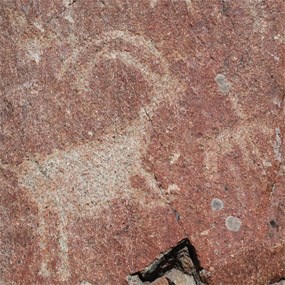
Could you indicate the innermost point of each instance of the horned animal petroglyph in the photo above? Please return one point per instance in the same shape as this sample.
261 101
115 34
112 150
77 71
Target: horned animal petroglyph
243 136
81 180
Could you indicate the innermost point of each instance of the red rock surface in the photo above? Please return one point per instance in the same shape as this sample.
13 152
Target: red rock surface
122 121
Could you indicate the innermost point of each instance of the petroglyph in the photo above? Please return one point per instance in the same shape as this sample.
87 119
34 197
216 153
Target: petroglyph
86 178
240 136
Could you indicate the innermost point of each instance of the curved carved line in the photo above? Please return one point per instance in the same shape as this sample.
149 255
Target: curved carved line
135 40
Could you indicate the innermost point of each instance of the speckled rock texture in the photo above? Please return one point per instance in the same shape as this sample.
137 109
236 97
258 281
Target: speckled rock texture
127 126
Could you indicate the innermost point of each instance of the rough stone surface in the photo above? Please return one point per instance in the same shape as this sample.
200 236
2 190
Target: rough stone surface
120 122
178 278
160 281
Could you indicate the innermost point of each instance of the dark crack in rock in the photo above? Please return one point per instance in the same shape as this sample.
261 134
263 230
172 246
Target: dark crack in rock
177 266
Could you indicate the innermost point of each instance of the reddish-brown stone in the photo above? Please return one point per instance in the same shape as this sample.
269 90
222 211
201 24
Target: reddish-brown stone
123 122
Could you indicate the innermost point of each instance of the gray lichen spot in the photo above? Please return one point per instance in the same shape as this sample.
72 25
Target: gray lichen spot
217 204
233 224
223 83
